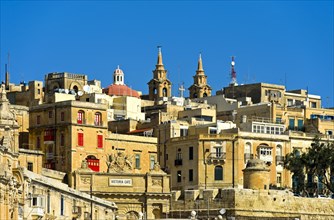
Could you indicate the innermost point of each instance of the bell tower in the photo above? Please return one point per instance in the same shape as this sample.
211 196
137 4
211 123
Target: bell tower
159 86
200 88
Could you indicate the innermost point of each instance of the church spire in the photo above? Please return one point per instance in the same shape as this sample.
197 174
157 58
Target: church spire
159 65
200 63
200 70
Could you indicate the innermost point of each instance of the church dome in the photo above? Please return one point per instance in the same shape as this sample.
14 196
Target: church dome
118 71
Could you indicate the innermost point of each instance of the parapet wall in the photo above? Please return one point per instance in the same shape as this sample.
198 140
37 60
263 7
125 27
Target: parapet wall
250 204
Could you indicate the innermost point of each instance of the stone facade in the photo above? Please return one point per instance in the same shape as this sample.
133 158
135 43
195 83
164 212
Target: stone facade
29 195
136 194
249 204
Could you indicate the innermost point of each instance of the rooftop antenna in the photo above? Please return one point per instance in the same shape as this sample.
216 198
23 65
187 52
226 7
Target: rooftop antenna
7 73
233 74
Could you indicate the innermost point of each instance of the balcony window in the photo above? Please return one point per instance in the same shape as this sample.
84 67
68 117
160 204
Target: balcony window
37 201
265 153
93 163
219 152
49 135
218 173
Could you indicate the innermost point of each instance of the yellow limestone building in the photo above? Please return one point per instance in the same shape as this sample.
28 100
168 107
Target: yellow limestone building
73 132
29 195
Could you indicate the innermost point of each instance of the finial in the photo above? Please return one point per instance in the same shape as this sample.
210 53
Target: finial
118 67
159 57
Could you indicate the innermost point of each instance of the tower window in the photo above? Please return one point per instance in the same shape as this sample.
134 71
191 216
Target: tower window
164 92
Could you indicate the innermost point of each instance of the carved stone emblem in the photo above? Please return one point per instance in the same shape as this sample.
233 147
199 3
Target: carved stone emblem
119 162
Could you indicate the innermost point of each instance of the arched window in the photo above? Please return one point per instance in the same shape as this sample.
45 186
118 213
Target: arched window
195 95
279 150
248 152
218 173
75 89
81 117
205 95
154 91
98 119
164 92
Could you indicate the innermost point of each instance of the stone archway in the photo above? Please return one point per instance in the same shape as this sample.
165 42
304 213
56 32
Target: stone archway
156 213
132 215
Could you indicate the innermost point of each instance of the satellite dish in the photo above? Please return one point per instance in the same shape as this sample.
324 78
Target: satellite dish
80 93
222 211
86 88
67 91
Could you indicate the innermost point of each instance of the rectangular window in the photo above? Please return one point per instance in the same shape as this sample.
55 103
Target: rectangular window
62 116
38 119
219 152
183 132
48 203
213 130
50 114
137 158
38 143
191 153
62 205
290 102
279 179
100 141
179 176
278 120
191 175
152 161
300 124
62 139
80 139
30 166
80 117
291 124
313 104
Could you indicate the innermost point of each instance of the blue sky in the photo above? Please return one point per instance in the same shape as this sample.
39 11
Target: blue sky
280 42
